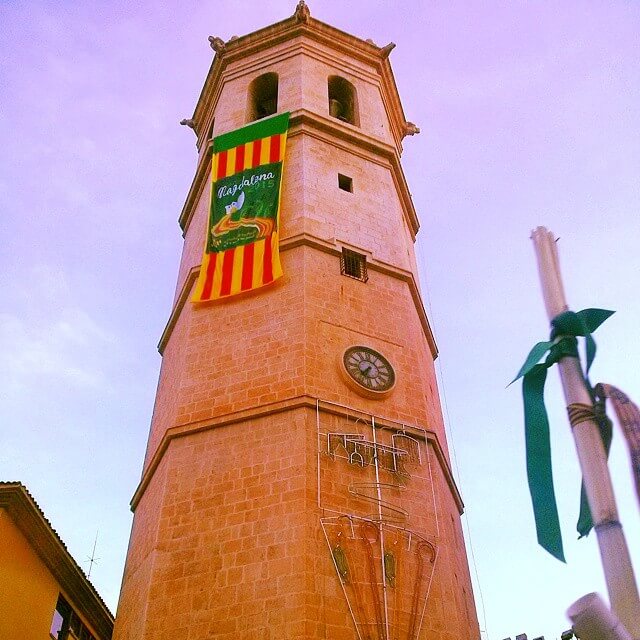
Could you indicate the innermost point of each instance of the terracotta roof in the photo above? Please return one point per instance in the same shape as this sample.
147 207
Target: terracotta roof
29 518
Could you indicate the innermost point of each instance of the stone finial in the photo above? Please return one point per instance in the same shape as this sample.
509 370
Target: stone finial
217 44
188 122
302 12
386 50
410 129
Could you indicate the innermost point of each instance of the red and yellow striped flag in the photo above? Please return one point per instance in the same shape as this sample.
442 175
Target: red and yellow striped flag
241 249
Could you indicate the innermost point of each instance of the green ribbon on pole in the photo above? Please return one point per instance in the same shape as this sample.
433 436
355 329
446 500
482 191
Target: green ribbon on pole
566 328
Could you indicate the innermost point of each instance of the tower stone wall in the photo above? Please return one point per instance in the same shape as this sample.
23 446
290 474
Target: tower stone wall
279 500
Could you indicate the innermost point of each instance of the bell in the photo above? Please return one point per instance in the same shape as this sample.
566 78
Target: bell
266 108
335 108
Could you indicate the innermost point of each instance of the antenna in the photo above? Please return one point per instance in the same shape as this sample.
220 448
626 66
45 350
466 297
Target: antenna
92 558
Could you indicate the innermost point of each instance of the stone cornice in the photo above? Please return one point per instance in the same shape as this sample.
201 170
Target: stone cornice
315 30
305 239
183 296
32 523
203 171
337 134
289 404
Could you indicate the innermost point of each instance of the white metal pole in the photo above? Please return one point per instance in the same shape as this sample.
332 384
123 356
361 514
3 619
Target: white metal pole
592 620
616 562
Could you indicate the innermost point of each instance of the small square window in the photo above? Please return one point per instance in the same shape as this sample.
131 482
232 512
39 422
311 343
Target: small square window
345 183
353 265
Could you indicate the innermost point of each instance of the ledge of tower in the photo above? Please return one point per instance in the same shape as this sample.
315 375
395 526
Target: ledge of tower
302 120
302 24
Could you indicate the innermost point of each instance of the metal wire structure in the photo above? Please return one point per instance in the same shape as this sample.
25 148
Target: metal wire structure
385 559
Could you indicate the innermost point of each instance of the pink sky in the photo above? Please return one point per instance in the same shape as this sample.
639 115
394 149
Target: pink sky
529 114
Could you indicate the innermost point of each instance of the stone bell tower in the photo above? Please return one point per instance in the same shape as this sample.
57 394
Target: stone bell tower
297 482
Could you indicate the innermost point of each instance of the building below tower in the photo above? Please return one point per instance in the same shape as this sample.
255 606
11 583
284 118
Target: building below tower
43 592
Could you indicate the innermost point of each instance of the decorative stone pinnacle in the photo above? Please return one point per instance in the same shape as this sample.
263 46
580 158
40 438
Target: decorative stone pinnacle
188 122
410 129
217 44
386 50
302 12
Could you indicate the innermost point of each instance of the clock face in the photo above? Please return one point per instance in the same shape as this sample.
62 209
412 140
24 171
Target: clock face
369 369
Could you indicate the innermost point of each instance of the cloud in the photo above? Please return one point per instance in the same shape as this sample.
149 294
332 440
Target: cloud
51 282
51 352
51 336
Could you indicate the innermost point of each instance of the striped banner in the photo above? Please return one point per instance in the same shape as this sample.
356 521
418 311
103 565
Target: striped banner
241 249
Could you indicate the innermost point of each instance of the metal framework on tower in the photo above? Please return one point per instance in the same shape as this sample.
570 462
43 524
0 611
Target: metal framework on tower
384 555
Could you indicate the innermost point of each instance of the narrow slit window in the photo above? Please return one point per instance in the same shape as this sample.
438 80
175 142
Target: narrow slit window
353 265
343 100
345 183
262 100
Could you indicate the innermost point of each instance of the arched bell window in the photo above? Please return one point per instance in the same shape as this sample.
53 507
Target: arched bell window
343 100
263 97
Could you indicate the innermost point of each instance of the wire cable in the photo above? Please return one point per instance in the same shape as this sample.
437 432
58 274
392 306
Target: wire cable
449 429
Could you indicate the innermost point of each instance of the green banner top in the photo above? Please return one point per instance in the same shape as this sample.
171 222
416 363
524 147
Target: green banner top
254 131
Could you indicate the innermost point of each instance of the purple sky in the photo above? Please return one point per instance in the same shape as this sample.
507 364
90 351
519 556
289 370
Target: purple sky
530 116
